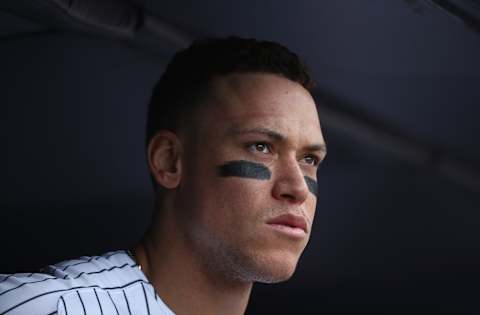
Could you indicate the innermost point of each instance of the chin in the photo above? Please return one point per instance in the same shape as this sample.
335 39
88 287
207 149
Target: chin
274 277
278 272
269 269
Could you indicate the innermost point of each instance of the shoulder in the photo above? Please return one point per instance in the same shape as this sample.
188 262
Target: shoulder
42 293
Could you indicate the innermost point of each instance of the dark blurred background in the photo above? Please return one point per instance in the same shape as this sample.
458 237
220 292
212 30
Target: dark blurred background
398 92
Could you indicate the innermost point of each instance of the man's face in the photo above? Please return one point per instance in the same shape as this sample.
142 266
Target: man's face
253 160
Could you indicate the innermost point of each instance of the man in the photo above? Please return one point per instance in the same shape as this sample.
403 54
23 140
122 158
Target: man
233 146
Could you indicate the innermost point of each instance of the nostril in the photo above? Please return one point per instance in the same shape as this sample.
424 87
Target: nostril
289 197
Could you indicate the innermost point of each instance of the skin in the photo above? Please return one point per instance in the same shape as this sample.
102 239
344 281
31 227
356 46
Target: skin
209 240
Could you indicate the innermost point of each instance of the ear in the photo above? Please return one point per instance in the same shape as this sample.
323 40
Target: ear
164 158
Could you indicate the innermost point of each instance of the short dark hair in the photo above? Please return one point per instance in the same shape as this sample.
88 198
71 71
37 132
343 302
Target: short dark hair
187 77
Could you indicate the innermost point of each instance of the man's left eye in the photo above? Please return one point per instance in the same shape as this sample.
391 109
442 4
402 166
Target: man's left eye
312 160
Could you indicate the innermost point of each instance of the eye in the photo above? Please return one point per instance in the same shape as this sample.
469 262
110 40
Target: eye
262 147
311 160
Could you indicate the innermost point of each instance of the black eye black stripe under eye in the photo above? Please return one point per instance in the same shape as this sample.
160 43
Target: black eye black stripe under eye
244 169
312 185
253 170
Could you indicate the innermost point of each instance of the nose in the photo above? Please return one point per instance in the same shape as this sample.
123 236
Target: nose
290 183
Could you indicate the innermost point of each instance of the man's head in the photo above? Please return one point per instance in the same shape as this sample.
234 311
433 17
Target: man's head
233 143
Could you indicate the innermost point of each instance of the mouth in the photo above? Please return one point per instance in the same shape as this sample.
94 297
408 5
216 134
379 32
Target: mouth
290 225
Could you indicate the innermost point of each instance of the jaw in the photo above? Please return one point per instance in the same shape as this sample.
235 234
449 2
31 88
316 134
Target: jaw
266 265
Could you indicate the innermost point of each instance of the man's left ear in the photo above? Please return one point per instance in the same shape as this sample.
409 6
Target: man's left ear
164 158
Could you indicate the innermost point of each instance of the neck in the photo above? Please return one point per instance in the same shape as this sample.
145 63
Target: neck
180 280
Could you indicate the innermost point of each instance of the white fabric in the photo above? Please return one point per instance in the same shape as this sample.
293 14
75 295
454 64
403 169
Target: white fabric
111 284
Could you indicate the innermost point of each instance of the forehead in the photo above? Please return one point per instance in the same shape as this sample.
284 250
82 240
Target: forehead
257 100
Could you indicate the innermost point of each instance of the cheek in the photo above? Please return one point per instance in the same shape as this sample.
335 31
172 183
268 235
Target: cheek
242 204
310 208
242 196
243 183
227 204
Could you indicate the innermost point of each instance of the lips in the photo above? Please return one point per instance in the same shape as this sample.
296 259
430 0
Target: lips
291 221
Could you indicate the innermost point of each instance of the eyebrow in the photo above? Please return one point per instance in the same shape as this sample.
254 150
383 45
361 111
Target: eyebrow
279 137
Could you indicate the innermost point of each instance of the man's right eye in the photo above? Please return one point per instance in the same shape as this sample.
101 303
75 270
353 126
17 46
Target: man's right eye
260 147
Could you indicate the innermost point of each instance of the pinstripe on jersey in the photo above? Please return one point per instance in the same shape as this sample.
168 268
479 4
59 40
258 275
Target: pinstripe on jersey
99 285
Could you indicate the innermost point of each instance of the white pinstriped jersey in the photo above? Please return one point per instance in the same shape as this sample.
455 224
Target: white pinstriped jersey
111 284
